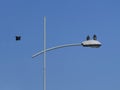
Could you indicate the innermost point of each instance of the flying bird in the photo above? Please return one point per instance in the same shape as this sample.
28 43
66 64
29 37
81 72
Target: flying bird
18 38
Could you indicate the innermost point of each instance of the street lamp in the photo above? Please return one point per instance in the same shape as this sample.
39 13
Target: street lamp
93 43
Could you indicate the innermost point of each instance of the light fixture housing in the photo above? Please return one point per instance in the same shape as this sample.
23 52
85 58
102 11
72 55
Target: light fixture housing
91 43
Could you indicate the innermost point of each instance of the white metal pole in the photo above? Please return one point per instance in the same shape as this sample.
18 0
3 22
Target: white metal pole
44 67
56 47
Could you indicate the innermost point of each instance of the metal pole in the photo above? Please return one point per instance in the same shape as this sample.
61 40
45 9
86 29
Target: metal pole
44 67
56 47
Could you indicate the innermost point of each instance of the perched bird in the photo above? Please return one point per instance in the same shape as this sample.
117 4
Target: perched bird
88 37
94 37
18 38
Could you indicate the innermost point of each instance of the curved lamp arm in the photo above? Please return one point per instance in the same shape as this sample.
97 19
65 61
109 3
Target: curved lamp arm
56 47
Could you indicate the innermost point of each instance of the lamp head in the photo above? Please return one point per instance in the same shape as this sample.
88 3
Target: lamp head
91 43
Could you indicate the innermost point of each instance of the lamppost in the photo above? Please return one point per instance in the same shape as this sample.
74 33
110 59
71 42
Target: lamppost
94 43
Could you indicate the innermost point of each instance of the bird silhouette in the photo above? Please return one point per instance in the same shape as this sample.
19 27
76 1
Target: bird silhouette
88 37
94 37
18 38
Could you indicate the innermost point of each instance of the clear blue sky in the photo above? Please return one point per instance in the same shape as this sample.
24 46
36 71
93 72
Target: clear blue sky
68 21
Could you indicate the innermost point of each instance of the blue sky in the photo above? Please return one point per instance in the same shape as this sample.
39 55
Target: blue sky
68 21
